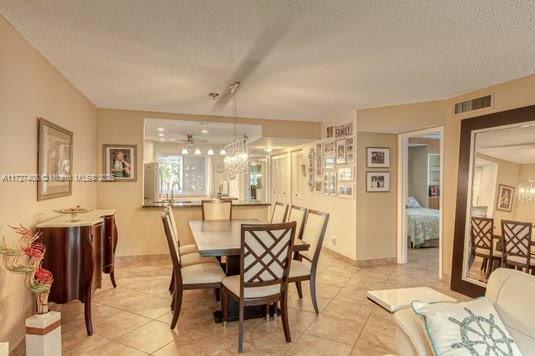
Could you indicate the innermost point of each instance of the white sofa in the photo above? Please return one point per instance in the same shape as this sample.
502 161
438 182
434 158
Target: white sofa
513 295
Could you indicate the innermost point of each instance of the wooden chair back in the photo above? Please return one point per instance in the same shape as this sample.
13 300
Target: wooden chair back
481 235
279 213
516 240
217 209
168 209
314 233
298 215
266 254
174 251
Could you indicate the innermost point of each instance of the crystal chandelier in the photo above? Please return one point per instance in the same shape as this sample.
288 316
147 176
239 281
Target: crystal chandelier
237 156
526 190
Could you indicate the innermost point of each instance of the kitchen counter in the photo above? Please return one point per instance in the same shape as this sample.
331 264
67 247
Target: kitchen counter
197 204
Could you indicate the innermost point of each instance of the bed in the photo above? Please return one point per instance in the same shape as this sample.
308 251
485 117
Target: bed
422 227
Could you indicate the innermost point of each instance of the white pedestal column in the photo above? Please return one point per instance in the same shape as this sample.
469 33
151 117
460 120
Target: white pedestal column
43 334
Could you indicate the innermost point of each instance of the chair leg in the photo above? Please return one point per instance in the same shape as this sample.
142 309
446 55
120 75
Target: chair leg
240 340
284 313
267 311
299 290
173 302
177 295
484 264
171 284
217 293
313 293
224 306
488 271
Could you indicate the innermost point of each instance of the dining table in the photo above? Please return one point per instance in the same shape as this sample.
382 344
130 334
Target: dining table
222 238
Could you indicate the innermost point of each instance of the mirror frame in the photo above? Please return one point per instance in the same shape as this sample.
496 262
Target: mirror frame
503 118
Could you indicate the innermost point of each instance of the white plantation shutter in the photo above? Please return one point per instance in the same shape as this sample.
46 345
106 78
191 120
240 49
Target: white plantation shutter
280 177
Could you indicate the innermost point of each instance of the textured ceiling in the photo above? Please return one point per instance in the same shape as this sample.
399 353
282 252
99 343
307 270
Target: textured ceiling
515 143
305 60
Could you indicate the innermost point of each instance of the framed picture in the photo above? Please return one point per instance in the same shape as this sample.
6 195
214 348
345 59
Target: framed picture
341 152
54 160
378 157
344 130
506 196
345 174
350 158
319 159
120 162
377 181
329 163
332 183
325 183
318 186
329 149
346 190
330 131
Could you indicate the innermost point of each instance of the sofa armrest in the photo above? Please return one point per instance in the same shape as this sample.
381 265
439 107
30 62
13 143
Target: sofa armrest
411 338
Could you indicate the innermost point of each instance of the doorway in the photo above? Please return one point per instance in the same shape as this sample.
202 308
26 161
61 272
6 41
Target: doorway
420 206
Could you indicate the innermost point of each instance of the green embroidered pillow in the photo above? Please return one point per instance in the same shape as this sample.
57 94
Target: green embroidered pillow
471 328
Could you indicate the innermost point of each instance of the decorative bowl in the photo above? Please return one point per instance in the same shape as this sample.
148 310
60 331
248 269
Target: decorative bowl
73 212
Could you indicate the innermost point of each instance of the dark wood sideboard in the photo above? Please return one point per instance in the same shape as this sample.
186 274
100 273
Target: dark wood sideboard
78 253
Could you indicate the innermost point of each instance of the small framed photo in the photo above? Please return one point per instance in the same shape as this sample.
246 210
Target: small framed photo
350 154
329 149
377 181
319 187
120 162
344 130
332 183
319 159
378 157
345 174
341 152
329 163
506 196
330 131
325 184
346 190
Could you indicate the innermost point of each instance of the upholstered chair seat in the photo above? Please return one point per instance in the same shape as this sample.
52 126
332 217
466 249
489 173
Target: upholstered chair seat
203 273
299 269
187 249
486 251
196 258
521 260
232 283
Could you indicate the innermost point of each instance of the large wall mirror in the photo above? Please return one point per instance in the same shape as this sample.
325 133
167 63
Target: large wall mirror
496 198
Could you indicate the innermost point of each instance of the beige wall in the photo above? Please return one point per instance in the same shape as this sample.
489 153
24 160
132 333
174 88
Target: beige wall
412 117
417 183
376 212
29 88
525 210
139 228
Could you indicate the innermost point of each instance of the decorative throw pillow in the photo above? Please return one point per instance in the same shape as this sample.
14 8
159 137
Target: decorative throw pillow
470 328
413 203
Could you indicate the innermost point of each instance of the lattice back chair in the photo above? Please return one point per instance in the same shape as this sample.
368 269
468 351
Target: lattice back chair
217 209
482 243
184 249
313 233
265 261
516 242
298 215
279 213
195 276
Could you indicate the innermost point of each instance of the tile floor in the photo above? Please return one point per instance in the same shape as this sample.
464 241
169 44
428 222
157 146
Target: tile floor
134 318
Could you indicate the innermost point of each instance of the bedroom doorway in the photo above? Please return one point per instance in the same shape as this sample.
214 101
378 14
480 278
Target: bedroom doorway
420 179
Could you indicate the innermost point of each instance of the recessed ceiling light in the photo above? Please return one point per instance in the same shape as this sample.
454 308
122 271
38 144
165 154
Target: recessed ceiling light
162 139
172 139
160 128
161 134
211 152
204 128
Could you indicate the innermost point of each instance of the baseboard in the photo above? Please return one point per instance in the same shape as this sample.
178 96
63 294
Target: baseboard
158 259
376 262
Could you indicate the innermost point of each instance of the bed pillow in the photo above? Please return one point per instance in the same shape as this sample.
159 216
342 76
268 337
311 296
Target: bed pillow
469 328
413 203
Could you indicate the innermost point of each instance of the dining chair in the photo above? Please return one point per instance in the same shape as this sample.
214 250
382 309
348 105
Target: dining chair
516 245
196 276
265 261
298 215
279 213
189 253
314 234
482 243
217 209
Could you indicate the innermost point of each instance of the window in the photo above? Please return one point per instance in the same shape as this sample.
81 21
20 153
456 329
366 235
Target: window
187 173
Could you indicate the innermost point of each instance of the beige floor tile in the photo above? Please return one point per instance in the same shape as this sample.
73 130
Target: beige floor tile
377 338
151 337
322 290
332 279
135 302
381 318
340 330
76 342
312 345
300 320
348 310
113 348
306 303
361 351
